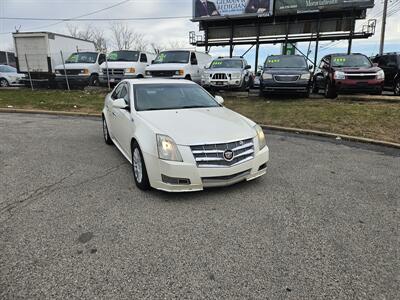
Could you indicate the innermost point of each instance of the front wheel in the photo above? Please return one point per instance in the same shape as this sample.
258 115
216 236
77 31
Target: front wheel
397 88
139 168
330 92
106 133
3 83
94 80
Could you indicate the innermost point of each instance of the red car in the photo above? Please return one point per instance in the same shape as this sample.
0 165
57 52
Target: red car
348 74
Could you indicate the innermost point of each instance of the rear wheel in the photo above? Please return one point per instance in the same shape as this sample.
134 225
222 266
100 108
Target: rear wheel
330 92
139 168
94 80
315 88
397 88
4 82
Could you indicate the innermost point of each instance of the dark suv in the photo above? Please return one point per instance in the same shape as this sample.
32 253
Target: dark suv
347 74
390 64
285 74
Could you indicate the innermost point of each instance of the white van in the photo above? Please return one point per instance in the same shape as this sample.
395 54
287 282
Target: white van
182 64
83 68
124 64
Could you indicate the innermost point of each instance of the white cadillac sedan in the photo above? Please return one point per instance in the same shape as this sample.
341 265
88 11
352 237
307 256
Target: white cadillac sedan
179 138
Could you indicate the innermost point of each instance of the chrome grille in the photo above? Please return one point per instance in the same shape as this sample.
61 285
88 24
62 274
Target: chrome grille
365 76
114 71
70 72
220 76
286 78
164 73
212 155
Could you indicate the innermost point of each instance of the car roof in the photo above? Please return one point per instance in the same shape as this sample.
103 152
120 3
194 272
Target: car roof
158 81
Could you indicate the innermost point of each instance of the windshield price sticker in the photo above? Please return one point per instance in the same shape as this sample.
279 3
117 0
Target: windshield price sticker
217 63
161 57
273 61
73 58
113 56
339 59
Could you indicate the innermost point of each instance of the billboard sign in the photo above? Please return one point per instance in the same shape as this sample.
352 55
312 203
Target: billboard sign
203 9
293 7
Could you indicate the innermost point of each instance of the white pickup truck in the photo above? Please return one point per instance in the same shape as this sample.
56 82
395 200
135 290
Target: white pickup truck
83 68
124 64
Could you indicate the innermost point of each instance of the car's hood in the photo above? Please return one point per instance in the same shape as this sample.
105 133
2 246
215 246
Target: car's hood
165 67
12 74
358 69
286 71
76 66
119 64
200 125
224 70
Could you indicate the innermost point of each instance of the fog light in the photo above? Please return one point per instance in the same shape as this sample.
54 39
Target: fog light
174 180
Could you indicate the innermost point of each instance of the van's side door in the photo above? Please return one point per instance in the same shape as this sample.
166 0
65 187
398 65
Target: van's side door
194 68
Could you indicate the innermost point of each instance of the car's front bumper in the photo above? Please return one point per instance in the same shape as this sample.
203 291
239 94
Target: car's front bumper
348 86
299 86
222 83
201 177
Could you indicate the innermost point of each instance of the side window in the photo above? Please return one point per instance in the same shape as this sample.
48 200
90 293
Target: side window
123 94
392 61
143 57
193 59
382 62
116 92
102 58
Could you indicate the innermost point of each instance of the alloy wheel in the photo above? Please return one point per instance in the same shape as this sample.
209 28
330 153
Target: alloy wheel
105 130
137 165
3 83
397 88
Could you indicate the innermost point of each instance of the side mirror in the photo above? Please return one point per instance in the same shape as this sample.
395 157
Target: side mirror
247 67
120 103
219 99
152 62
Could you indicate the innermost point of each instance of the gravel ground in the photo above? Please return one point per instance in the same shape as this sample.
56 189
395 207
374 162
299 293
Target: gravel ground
323 223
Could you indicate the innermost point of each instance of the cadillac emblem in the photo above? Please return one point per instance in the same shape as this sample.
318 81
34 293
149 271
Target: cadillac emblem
228 155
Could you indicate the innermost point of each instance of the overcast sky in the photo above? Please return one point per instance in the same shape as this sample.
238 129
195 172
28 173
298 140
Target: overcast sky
161 31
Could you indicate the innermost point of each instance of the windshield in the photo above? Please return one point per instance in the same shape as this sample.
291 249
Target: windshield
168 57
227 63
8 69
123 56
171 96
82 57
287 61
351 61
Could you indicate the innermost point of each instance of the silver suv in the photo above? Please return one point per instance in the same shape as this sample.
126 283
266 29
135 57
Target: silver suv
227 73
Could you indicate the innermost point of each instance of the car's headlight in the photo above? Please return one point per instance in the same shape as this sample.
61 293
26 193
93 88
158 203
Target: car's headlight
130 70
236 75
305 76
84 72
339 75
167 148
267 76
58 72
262 142
380 75
179 72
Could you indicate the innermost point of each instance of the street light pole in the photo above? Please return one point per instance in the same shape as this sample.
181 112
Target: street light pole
382 44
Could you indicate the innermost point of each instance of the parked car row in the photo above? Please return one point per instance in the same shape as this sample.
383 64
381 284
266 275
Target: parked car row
336 74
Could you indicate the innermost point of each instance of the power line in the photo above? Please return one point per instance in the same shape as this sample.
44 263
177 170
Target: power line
95 19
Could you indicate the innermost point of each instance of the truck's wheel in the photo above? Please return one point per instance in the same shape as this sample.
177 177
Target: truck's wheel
315 89
330 92
94 80
4 82
397 88
187 77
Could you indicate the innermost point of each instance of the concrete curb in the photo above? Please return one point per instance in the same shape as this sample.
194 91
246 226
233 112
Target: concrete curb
332 135
268 127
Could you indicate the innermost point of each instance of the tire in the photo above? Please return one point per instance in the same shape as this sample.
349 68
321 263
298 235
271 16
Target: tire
139 168
4 82
187 77
397 88
330 92
106 134
315 88
94 80
140 76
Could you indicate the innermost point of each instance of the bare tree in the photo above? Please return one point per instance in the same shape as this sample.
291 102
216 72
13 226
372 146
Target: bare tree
99 39
157 48
176 44
126 38
85 33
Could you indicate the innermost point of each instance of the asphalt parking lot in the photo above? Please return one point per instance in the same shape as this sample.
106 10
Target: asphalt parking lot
323 223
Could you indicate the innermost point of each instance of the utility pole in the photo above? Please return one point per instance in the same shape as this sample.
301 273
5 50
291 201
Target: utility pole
385 6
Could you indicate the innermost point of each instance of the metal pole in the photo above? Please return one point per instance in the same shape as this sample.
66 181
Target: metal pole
29 72
7 60
231 43
317 44
65 70
257 48
353 24
108 74
382 44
